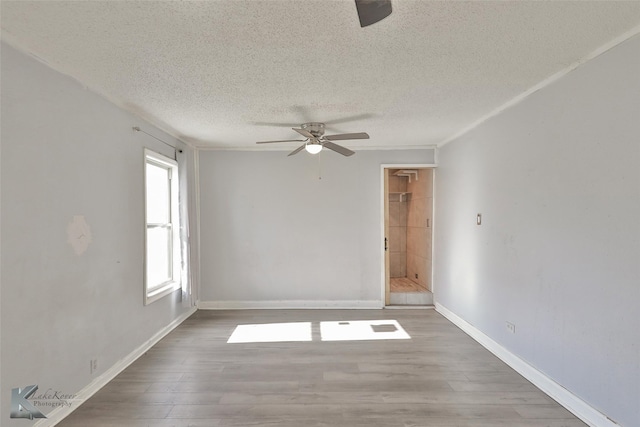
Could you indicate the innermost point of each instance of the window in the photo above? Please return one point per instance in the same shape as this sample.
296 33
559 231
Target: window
162 238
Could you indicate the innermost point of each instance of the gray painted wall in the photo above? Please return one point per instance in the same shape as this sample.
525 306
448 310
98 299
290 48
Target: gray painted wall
272 231
557 179
65 152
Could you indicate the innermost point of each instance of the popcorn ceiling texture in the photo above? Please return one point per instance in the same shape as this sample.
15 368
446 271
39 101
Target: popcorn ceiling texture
212 73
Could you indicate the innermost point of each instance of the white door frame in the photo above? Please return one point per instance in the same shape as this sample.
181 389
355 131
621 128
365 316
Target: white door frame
382 251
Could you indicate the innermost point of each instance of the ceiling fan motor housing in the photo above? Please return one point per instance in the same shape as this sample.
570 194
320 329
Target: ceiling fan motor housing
314 128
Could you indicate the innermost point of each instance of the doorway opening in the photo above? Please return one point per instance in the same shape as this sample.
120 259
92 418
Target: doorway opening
408 224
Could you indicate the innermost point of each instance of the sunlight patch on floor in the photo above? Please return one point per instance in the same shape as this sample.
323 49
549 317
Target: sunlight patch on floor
345 330
271 332
362 330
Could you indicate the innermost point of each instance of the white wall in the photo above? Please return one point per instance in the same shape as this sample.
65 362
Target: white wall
271 231
557 179
1 401
66 152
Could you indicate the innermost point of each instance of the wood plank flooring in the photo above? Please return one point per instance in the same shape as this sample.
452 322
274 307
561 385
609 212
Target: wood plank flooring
438 378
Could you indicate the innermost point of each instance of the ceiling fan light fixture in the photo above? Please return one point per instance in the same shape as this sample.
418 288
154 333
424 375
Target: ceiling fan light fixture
316 140
313 147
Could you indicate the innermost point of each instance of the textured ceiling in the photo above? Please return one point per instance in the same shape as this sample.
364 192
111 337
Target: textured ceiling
214 72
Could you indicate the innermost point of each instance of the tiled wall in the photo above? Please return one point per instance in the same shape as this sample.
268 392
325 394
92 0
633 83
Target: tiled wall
419 226
397 226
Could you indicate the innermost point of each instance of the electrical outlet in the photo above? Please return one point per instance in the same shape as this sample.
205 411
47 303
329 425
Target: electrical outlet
416 275
511 327
93 366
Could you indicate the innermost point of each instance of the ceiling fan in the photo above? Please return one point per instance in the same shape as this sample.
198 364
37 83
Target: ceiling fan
317 140
372 11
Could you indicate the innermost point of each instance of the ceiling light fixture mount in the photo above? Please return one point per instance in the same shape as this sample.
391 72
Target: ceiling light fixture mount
314 128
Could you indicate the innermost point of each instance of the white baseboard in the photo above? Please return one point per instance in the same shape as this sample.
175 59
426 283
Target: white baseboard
59 413
289 304
564 397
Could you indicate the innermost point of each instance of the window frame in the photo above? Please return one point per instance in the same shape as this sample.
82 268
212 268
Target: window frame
157 291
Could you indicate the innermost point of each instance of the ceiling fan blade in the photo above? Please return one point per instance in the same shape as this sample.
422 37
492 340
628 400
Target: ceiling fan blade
372 11
343 136
284 140
297 150
338 148
304 132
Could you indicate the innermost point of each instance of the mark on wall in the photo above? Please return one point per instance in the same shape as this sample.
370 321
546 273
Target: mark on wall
79 234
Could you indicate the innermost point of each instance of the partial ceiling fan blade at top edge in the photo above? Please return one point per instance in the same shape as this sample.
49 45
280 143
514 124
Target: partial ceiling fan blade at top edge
284 140
304 132
338 148
297 150
344 136
372 11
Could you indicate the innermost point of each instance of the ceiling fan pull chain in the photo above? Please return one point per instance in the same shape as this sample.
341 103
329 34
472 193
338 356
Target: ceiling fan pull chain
319 166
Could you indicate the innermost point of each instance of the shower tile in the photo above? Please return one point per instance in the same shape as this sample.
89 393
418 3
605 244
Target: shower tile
397 184
394 214
422 242
410 241
424 185
411 266
419 298
427 274
402 212
417 265
412 237
414 187
398 298
421 269
417 214
395 264
394 239
403 264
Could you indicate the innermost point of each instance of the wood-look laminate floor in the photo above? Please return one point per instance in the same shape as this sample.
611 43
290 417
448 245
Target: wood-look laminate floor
438 377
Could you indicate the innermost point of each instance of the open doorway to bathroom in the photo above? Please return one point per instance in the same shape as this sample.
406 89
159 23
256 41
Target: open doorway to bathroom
408 224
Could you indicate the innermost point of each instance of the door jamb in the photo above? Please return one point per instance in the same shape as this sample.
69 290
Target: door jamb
382 229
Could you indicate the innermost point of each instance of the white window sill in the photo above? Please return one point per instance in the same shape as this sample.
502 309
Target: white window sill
161 292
